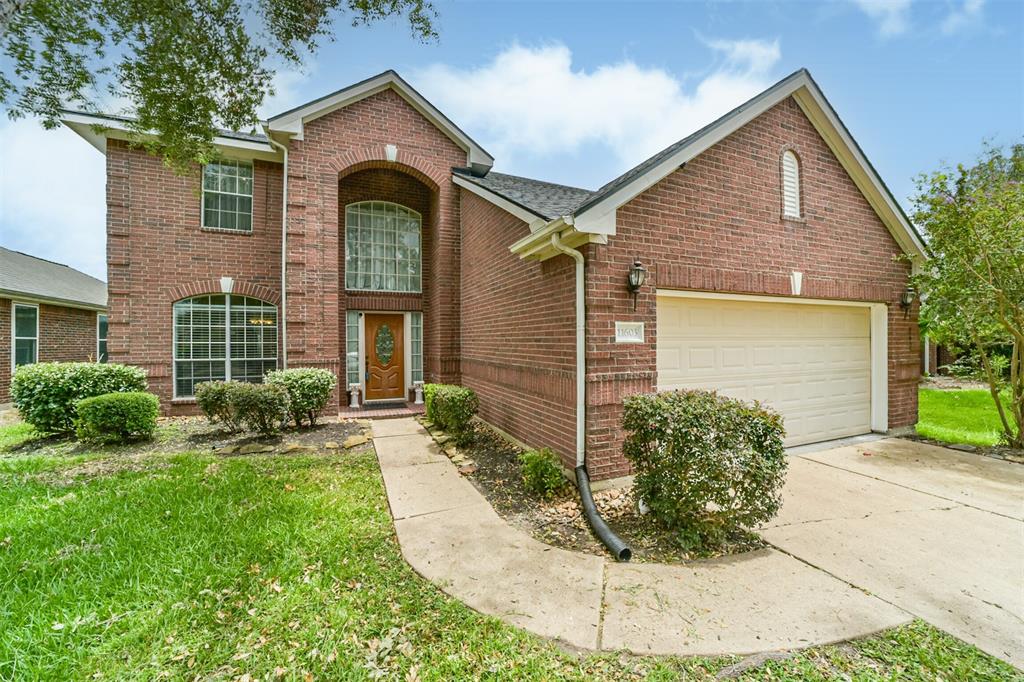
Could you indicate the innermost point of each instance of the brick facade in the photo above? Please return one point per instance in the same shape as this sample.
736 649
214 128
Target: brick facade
716 225
65 335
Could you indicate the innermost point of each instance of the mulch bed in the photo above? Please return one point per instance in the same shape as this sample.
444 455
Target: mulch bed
559 521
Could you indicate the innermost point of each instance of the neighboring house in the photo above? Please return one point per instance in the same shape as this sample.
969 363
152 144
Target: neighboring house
365 232
48 313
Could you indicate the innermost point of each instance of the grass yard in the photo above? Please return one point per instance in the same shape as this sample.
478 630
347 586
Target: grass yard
958 416
122 565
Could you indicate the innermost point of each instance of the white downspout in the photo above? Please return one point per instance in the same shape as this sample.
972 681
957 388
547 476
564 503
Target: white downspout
581 349
282 317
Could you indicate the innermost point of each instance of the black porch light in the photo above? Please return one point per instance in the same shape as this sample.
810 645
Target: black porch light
637 277
907 299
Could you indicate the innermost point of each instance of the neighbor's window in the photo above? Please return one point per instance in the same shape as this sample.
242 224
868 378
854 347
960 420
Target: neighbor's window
222 337
790 185
26 334
101 338
382 247
227 196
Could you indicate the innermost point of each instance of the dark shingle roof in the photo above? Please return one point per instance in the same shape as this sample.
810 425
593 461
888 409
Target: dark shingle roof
34 277
545 199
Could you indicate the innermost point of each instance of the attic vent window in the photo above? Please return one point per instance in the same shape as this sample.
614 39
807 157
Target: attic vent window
790 185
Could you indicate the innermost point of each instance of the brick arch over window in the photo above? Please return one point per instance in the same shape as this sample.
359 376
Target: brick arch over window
405 162
212 286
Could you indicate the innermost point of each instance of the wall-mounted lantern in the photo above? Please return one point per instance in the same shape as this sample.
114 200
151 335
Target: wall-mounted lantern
907 300
637 277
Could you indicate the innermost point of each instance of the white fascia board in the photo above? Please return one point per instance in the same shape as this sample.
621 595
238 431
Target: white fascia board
537 245
36 299
86 126
535 221
292 123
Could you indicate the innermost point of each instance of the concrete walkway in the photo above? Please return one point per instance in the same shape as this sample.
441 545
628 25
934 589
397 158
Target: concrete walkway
762 601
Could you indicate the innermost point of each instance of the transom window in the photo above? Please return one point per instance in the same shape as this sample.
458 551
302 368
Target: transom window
222 337
382 247
26 335
227 196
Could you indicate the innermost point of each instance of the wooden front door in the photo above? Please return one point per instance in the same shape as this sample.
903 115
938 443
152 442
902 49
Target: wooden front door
385 356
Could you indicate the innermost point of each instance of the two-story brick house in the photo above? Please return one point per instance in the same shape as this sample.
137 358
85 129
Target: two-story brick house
366 233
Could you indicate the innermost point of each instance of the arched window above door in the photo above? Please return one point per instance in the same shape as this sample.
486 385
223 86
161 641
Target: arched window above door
382 247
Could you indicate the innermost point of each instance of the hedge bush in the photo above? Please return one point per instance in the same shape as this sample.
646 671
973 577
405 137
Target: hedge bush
706 465
260 407
45 393
117 417
214 399
428 401
309 390
454 407
542 471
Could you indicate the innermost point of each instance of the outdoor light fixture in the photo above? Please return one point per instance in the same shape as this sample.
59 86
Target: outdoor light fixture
907 300
637 277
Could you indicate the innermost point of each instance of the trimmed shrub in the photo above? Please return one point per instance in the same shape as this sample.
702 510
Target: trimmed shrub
45 393
214 399
542 471
117 417
454 407
260 407
706 465
309 390
428 401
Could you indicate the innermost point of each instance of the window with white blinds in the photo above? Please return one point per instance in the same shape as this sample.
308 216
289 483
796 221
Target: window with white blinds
790 185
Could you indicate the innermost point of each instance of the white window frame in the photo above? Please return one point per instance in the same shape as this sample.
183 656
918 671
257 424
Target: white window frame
98 339
798 215
227 341
14 337
419 218
251 196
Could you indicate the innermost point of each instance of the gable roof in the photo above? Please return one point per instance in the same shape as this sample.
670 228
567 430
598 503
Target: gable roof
292 122
543 199
27 277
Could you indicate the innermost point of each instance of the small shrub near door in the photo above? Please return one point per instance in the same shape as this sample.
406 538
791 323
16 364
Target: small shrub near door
309 390
260 407
428 400
117 417
214 399
46 393
454 407
706 465
542 471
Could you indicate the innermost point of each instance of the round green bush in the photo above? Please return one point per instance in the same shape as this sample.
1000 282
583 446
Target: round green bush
117 417
214 399
542 471
260 407
706 465
309 390
453 408
45 393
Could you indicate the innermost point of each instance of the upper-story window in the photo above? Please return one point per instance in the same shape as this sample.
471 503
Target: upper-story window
790 185
382 247
227 196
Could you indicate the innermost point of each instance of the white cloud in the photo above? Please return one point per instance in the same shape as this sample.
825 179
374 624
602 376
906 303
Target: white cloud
52 196
893 16
531 101
286 84
966 15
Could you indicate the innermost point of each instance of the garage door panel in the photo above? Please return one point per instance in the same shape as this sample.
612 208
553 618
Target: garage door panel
812 363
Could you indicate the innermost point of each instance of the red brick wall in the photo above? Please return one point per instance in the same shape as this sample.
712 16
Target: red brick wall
518 331
716 225
157 253
342 142
65 335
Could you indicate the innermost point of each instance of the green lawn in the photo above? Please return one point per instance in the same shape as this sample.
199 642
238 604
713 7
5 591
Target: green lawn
196 566
959 416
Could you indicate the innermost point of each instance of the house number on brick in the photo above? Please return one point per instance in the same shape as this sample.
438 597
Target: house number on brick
629 332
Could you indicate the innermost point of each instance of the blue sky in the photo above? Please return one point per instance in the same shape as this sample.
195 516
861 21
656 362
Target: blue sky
579 92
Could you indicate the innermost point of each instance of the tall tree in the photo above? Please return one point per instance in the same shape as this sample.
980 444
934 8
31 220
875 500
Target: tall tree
188 67
974 287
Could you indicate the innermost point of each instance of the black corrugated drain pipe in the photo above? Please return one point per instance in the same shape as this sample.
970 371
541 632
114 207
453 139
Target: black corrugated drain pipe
619 549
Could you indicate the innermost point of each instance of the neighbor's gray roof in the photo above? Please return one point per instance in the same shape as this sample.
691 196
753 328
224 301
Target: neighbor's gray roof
36 278
545 199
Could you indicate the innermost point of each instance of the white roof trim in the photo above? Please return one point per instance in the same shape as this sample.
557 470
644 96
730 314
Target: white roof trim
293 122
600 216
112 127
532 219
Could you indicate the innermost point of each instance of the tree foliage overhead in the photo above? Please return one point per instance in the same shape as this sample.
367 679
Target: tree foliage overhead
974 287
188 67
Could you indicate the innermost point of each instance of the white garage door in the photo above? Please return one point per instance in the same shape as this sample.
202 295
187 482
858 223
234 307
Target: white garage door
812 363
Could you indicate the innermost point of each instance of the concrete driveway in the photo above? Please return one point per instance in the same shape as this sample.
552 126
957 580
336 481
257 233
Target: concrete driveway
935 532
